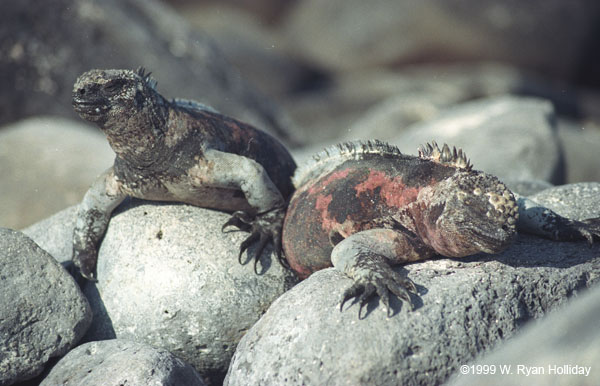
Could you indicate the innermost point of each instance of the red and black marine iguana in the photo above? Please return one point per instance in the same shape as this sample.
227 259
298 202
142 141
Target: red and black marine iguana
364 206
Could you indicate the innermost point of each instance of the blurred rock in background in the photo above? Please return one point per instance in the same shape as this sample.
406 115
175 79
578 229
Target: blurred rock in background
46 45
47 164
549 36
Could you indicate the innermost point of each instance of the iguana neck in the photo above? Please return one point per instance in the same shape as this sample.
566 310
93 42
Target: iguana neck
139 138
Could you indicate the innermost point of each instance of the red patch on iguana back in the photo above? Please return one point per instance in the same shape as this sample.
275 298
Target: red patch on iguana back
322 204
393 191
339 175
322 201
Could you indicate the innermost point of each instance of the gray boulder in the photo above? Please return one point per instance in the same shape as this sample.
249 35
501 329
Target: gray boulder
54 234
378 103
465 307
47 164
49 43
43 312
119 362
561 349
526 187
578 201
168 277
511 137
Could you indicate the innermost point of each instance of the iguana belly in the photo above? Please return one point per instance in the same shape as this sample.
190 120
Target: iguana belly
228 200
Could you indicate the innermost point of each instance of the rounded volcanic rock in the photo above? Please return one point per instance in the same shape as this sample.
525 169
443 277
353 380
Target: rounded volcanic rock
119 362
43 314
168 276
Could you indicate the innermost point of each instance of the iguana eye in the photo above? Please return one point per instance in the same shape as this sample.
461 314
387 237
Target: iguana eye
114 86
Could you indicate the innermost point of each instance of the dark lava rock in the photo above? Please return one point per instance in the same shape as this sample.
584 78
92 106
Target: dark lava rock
577 201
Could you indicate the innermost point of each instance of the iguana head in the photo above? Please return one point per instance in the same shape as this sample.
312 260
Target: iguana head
126 106
467 213
103 95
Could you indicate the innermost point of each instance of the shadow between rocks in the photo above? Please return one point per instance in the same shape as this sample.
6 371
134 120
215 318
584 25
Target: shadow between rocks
102 327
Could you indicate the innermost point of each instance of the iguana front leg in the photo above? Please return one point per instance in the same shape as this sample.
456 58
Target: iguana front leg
238 172
93 215
366 257
541 221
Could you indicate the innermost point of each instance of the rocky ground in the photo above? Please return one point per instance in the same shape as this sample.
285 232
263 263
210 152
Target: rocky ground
514 84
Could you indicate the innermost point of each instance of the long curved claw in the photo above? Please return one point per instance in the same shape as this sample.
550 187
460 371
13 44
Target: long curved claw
262 242
384 295
573 230
239 219
278 250
89 276
381 281
246 243
589 229
84 264
404 287
351 292
264 227
364 298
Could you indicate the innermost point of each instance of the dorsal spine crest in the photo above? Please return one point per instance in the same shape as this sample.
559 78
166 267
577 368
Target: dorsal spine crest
330 157
452 157
146 77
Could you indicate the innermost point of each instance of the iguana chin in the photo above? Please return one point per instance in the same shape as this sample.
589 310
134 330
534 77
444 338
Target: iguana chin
180 151
364 206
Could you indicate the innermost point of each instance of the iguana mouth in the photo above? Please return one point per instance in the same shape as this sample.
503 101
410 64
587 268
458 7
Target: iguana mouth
89 107
491 242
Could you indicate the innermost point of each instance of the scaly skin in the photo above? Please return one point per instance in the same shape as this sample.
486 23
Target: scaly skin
177 151
363 207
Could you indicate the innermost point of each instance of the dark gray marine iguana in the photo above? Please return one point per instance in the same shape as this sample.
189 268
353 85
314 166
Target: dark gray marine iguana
180 151
364 206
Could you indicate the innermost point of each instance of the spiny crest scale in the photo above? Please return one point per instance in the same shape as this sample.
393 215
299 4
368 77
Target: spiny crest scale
451 157
330 156
357 148
146 77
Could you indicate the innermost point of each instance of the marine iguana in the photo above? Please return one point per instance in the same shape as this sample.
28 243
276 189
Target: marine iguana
364 206
180 151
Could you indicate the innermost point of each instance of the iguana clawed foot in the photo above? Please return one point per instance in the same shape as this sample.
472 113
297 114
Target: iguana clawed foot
263 228
84 265
381 279
574 230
